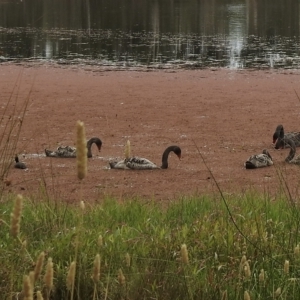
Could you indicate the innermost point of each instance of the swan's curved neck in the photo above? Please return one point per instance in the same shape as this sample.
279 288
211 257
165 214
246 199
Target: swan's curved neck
279 132
89 143
292 150
165 157
89 148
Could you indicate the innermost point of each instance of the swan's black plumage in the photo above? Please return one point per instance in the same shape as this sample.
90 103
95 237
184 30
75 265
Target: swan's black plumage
261 160
294 136
18 164
138 163
68 151
283 141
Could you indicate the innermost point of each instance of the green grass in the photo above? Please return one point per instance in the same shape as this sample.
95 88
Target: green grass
263 229
230 240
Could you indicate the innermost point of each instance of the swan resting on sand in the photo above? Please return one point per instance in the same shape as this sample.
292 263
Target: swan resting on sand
261 160
68 151
137 163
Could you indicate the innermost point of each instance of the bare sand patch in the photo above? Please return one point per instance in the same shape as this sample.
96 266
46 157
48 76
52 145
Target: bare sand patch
228 114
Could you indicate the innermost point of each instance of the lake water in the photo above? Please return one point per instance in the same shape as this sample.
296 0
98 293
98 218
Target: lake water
152 33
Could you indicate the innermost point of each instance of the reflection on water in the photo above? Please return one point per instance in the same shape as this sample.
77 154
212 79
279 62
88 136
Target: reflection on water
155 34
237 32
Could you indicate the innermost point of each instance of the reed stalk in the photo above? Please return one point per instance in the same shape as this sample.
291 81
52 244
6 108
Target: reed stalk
71 278
48 277
16 216
96 274
81 154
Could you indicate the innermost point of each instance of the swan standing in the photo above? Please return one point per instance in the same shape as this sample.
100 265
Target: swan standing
138 163
68 151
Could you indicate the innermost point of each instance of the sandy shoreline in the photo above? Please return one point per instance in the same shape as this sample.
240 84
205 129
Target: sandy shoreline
227 114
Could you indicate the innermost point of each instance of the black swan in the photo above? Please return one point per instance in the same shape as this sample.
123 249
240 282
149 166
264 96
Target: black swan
137 163
261 160
284 141
68 151
295 136
18 164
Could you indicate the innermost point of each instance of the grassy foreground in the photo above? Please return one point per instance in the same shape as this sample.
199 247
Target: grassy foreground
194 249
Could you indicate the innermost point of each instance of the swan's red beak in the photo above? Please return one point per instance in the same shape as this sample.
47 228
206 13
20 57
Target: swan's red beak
99 149
179 156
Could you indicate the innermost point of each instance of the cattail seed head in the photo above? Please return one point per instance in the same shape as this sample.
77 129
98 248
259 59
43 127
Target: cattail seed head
184 254
27 288
16 216
82 205
242 263
96 271
286 267
81 155
100 241
246 296
277 292
38 266
127 259
71 275
216 256
31 277
121 277
261 276
243 259
247 270
24 244
297 250
39 296
48 277
127 149
244 248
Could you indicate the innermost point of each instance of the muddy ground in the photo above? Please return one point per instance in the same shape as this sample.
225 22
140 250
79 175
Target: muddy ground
226 115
